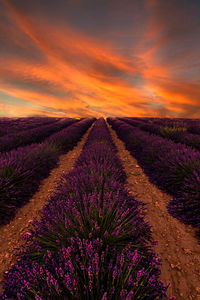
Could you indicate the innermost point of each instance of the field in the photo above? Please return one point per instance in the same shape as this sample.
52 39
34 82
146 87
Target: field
99 209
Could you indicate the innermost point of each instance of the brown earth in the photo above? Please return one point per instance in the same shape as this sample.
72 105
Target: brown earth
10 234
177 247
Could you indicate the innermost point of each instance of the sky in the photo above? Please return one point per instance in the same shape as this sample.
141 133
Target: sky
100 58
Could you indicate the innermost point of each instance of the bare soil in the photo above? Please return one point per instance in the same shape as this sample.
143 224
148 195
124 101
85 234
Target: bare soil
178 248
10 234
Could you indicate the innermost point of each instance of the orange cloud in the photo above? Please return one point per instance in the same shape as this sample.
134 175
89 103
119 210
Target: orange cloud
92 76
18 111
82 75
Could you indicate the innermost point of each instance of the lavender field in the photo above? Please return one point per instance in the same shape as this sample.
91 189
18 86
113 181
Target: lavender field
94 240
170 155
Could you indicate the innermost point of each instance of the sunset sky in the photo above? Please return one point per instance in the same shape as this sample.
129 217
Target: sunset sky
84 58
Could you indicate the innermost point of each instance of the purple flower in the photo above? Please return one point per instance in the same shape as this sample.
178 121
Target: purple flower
89 249
104 296
37 297
102 256
122 293
114 273
96 226
130 295
68 282
122 260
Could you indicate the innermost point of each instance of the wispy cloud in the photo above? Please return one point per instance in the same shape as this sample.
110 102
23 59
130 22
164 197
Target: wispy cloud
143 69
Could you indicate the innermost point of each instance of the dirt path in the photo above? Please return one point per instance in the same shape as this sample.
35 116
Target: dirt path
10 234
177 247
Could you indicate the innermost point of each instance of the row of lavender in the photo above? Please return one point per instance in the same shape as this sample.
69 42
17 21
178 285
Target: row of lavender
175 168
9 125
22 170
167 121
176 134
191 125
34 135
91 242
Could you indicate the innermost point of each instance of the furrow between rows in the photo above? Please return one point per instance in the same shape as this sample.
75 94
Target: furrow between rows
177 245
10 234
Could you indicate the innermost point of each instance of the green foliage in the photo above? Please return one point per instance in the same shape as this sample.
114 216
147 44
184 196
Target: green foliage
91 221
184 171
166 131
7 172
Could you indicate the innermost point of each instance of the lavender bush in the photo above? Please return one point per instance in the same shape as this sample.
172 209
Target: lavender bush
92 241
22 170
173 167
186 207
35 135
85 270
14 125
177 132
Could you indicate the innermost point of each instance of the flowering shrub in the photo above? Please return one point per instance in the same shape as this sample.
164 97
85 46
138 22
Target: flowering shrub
22 170
85 269
173 167
177 132
35 135
91 242
186 207
14 125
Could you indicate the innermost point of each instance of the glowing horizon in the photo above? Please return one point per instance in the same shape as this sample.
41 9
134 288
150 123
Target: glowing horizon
85 58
